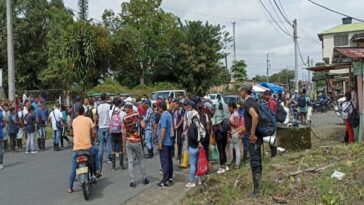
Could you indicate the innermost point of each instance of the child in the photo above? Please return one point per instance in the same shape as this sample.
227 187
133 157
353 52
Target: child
30 129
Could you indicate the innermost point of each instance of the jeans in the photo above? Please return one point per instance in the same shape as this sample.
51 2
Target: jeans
56 136
137 150
221 141
165 156
236 146
41 133
30 142
255 155
104 140
1 152
93 151
148 139
193 158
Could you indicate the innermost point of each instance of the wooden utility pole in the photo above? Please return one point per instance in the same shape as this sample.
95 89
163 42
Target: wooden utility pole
11 73
295 37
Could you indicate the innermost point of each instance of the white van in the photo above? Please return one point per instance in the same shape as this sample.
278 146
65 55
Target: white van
167 93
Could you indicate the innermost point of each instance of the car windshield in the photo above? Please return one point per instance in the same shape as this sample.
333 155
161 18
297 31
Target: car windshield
228 100
164 95
212 97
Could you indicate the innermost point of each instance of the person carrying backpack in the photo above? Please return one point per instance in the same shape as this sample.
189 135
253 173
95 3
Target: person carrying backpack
116 140
251 118
273 106
303 102
347 108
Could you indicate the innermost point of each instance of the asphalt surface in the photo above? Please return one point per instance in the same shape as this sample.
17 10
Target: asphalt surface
37 179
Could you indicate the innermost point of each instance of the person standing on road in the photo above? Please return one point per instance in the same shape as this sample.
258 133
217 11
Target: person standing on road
115 129
178 126
19 137
132 143
103 120
273 106
6 114
41 124
165 143
303 102
64 132
1 140
30 119
251 118
148 130
13 128
83 135
55 118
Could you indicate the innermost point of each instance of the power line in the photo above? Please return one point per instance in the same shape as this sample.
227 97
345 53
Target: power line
274 19
299 51
308 36
284 11
280 11
337 12
278 15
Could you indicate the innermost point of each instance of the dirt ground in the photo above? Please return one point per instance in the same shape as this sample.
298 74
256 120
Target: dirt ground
296 177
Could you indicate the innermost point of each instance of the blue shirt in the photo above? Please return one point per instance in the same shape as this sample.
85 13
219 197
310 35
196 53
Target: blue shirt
165 122
30 123
13 128
42 117
1 125
149 119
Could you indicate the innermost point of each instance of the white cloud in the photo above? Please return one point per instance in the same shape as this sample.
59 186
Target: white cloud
256 38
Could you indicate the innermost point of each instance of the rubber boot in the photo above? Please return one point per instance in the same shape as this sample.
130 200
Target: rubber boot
43 144
54 147
257 182
273 151
113 158
19 143
121 156
5 145
151 153
245 156
39 144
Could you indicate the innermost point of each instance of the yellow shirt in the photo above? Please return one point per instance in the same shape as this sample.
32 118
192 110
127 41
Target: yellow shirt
82 133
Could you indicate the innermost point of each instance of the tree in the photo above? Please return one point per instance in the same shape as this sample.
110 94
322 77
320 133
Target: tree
238 70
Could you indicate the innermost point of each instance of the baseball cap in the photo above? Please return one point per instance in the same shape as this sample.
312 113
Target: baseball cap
246 86
146 101
128 104
78 97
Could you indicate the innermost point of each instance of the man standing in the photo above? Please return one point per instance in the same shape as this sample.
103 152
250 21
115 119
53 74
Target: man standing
148 130
103 132
273 106
303 102
83 135
56 117
132 143
165 145
251 118
354 96
41 123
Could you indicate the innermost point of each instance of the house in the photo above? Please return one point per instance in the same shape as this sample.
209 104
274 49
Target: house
346 35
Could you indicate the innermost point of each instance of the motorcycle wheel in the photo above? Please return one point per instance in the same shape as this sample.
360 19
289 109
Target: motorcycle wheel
86 190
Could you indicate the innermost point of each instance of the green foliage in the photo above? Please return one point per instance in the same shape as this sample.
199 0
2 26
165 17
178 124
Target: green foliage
83 7
238 70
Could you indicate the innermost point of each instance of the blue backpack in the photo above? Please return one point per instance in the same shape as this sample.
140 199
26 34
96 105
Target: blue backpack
267 121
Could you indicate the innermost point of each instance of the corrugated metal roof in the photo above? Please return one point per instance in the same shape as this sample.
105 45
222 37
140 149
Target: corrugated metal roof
352 53
344 28
326 68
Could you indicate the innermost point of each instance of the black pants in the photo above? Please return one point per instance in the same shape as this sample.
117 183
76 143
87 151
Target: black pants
179 142
205 144
116 143
255 155
221 141
12 141
166 162
64 136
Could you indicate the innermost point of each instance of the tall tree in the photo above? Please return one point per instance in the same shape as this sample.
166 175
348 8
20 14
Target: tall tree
238 70
83 10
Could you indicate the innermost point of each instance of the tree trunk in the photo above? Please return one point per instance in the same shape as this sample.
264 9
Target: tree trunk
141 80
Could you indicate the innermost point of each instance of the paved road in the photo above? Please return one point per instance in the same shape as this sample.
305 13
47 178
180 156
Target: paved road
42 179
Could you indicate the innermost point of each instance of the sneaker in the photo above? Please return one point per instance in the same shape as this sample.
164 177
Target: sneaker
27 152
162 185
1 166
34 152
221 170
109 162
199 182
227 168
132 184
170 181
190 185
146 181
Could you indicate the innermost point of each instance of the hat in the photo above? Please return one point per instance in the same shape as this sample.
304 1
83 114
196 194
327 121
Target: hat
116 110
78 97
146 101
267 92
160 98
191 103
296 91
246 86
129 99
128 104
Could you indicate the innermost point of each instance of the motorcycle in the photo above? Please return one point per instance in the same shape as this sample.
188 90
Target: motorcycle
294 112
84 172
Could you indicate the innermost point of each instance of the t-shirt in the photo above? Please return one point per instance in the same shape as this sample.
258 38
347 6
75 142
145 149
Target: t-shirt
232 120
347 108
82 133
75 108
56 116
1 125
305 109
273 105
103 113
42 117
13 127
30 123
149 119
165 122
131 124
249 103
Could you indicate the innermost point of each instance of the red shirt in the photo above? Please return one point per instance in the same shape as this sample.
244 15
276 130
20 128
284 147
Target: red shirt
141 110
273 105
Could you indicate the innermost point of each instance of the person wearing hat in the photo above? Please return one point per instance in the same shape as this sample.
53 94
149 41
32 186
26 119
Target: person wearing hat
251 118
132 145
148 130
165 143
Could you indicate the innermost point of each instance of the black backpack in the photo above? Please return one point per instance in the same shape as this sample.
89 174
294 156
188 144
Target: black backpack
267 121
225 125
89 113
281 113
302 101
354 118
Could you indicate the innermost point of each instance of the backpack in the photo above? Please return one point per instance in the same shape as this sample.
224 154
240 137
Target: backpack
115 124
225 125
281 113
267 121
302 101
89 113
354 118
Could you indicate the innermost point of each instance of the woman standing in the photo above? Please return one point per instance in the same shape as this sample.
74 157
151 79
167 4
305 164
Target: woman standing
347 108
234 123
13 127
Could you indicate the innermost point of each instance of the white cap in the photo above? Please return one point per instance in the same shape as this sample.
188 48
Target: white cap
129 99
296 91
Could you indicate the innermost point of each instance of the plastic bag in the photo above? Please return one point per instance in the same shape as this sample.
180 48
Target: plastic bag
184 162
213 153
203 164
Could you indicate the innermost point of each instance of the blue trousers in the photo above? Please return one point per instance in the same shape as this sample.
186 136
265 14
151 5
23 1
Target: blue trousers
148 133
56 136
105 141
93 151
165 156
193 158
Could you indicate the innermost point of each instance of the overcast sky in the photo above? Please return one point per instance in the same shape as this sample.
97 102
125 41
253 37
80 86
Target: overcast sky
256 34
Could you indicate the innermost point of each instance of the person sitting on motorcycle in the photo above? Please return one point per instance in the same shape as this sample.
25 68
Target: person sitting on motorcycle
83 135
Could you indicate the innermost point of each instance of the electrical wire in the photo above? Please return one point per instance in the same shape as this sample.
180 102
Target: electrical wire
279 26
278 15
284 10
299 51
308 36
280 11
337 12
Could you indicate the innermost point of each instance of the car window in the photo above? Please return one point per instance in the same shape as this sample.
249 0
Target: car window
160 94
212 97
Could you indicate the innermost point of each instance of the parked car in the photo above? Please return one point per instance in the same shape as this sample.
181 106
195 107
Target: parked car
167 93
231 98
213 97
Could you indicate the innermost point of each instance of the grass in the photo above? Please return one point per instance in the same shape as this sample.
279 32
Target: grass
307 188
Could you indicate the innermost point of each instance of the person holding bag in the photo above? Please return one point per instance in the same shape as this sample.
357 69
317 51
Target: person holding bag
348 108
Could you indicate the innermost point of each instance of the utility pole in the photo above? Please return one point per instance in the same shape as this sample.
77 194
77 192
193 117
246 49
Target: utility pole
267 67
308 76
234 40
11 73
295 52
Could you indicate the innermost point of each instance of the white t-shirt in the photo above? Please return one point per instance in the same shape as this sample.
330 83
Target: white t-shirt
347 108
56 117
103 113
